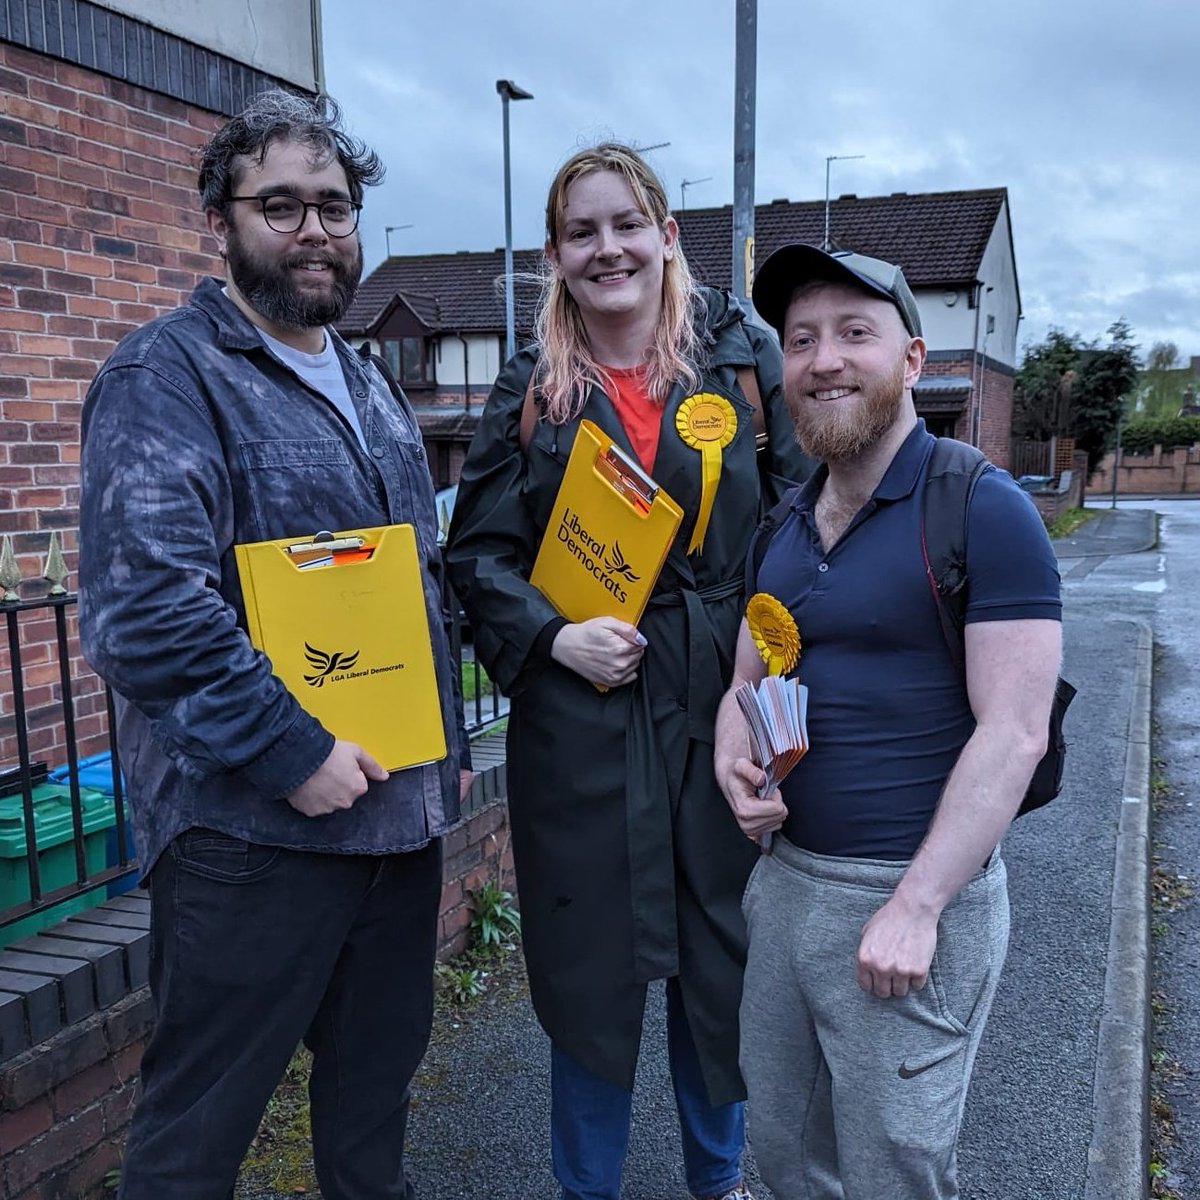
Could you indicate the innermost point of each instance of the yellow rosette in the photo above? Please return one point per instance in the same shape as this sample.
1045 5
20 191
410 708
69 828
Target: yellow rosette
707 423
774 631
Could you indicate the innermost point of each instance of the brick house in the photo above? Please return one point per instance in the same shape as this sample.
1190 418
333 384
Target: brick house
439 318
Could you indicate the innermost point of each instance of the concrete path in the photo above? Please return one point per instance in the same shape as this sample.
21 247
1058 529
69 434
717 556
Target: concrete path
1069 998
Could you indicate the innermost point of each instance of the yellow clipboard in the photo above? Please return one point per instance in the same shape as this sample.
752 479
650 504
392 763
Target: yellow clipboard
342 618
608 536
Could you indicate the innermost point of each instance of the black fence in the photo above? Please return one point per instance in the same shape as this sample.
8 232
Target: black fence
98 856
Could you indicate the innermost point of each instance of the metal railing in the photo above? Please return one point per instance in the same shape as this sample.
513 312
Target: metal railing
484 707
28 776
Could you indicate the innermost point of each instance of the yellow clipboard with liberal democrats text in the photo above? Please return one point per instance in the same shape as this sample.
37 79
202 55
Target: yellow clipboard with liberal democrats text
608 536
342 618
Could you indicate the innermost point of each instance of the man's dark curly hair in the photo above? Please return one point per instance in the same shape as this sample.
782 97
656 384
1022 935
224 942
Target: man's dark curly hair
279 116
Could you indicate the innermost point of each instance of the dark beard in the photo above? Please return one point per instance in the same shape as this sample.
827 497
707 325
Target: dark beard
833 434
269 290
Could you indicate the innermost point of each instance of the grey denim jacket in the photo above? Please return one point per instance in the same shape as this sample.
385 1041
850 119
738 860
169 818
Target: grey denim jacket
195 438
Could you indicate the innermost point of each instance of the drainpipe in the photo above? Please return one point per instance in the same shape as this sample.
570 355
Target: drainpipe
976 373
466 375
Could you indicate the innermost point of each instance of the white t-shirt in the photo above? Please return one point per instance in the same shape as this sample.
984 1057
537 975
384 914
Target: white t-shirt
323 373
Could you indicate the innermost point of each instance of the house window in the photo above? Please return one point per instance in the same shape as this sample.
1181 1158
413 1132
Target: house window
410 360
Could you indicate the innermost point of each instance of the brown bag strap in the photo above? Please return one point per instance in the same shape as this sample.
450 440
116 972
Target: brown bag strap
748 381
529 413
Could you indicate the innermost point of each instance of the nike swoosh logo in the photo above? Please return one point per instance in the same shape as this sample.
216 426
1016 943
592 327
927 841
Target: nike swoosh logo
907 1072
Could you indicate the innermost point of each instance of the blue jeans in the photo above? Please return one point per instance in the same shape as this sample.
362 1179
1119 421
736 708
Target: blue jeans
253 948
589 1122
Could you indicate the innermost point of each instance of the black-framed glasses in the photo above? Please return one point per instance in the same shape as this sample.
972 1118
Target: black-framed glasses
287 214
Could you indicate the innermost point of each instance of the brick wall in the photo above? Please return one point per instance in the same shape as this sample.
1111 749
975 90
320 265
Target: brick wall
100 230
995 423
65 1105
1161 472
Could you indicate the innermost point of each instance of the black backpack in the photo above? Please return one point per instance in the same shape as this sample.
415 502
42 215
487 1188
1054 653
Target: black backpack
954 469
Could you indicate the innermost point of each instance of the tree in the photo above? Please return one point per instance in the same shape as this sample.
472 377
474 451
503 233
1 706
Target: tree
1164 386
1106 378
1042 396
1069 387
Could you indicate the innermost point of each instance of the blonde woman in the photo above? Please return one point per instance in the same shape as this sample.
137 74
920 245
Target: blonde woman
629 865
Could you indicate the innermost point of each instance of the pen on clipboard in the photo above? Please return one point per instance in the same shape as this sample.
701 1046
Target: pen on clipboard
627 478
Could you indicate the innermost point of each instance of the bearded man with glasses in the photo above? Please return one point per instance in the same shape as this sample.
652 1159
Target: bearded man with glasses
294 883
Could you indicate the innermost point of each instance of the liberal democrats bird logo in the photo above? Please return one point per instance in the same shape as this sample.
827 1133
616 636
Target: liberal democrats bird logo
325 664
616 563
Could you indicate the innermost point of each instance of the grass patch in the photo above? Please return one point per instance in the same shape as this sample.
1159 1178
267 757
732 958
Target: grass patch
1067 522
470 689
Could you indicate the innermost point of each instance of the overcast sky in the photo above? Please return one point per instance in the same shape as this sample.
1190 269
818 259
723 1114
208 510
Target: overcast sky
1089 113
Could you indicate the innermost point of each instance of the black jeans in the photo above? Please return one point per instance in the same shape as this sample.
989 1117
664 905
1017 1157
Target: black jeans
254 948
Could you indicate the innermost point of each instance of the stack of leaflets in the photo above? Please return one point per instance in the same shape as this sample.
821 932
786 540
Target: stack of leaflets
776 712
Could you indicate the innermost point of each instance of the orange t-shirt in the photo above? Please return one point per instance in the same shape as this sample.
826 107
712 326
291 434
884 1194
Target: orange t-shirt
640 416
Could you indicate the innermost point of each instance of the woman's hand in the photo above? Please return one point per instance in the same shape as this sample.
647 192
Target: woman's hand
602 650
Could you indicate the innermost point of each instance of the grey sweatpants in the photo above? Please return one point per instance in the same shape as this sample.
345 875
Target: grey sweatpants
853 1097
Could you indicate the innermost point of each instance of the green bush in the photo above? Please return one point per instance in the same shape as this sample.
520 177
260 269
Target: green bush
1142 434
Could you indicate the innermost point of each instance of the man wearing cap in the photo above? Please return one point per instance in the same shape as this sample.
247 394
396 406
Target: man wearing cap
879 923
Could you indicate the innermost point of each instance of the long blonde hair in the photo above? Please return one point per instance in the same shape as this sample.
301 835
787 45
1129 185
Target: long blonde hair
567 367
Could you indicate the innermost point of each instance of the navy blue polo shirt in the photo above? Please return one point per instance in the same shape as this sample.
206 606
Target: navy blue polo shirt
887 707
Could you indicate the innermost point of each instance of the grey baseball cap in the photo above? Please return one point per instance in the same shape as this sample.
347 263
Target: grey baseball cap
791 267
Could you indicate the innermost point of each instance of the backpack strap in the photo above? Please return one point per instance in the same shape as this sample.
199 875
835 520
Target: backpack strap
954 470
747 379
761 538
529 412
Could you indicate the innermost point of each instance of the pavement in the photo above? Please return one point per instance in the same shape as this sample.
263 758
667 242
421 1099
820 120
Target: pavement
1057 1105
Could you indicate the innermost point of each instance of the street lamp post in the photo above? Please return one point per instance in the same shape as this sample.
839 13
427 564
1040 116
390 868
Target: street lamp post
745 69
829 158
508 91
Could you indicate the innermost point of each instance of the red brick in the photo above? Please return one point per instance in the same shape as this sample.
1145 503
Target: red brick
68 239
17 364
452 895
41 301
97 349
57 474
13 82
89 264
93 221
27 410
56 1148
94 152
80 172
91 1084
11 387
30 159
41 256
116 289
72 368
29 63
45 209
21 276
18 1128
135 271
31 322
133 186
71 326
55 141
90 306
21 182
35 452
58 389
19 230
39 343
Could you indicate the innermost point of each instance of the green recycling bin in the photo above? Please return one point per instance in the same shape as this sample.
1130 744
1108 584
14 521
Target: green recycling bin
54 838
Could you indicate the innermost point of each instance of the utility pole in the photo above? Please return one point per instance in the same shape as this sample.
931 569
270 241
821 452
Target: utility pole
746 65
